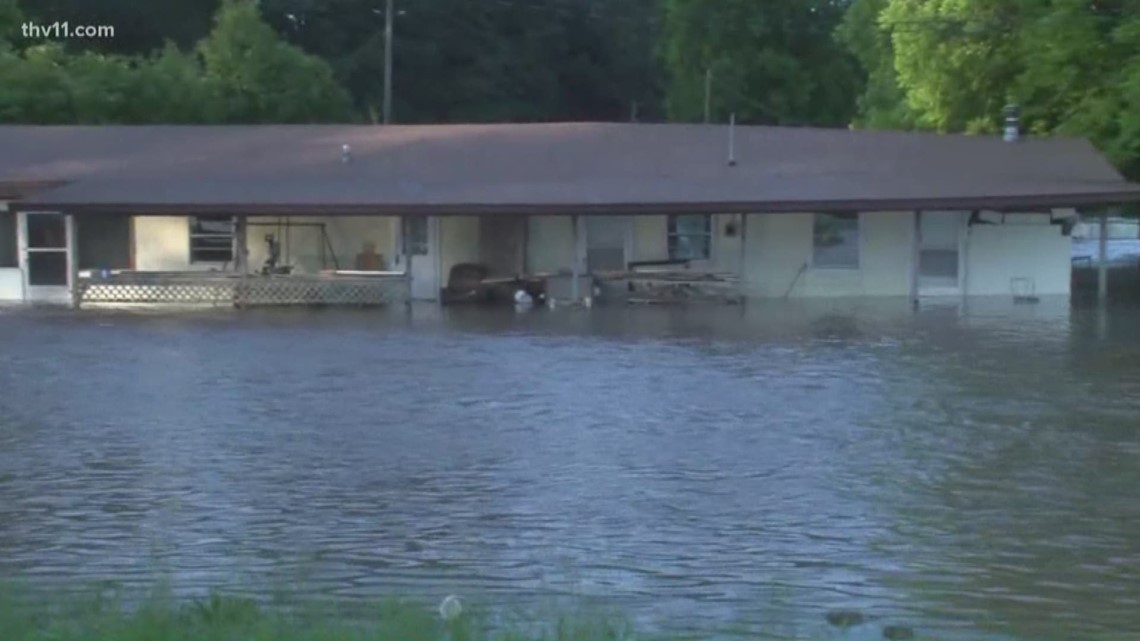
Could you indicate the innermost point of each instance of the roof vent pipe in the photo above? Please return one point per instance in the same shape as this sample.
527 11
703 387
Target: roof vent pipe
345 153
732 140
1012 123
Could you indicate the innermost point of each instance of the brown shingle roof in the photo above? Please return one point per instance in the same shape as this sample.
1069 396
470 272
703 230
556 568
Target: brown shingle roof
543 168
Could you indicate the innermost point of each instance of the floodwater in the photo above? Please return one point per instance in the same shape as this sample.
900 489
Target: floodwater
972 473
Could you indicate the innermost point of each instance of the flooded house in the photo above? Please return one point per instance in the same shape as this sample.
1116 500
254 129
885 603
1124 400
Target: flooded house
373 214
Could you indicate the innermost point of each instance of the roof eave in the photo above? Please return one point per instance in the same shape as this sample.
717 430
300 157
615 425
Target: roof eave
1123 196
18 189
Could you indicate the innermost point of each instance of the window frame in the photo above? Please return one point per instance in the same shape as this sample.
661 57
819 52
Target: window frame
192 234
671 233
813 262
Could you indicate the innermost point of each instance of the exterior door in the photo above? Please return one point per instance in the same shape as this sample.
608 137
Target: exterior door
422 234
940 236
608 241
46 256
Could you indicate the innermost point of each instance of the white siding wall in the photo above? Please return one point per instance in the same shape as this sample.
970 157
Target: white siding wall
11 285
162 243
1026 246
650 238
550 244
459 243
725 248
779 246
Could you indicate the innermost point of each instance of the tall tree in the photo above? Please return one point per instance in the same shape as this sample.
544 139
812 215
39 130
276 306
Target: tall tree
457 60
957 60
141 26
10 19
882 104
262 79
1072 65
772 61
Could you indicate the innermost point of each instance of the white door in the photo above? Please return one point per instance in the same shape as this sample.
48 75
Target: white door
422 251
940 235
46 256
608 242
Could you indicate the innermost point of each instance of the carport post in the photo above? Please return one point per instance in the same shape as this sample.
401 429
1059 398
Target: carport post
1102 261
575 268
72 238
742 278
406 245
241 246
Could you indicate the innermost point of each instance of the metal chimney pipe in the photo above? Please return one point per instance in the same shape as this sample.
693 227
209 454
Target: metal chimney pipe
1012 124
732 140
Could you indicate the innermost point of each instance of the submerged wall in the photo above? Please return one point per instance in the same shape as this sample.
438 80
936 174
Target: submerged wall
777 261
778 258
1024 246
778 254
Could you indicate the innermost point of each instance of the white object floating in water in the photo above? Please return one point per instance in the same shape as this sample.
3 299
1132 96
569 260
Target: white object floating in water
450 608
523 298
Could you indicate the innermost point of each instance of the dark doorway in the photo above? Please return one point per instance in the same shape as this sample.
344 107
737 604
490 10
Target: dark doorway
9 257
103 241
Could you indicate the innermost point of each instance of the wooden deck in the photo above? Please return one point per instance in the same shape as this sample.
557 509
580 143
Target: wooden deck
213 289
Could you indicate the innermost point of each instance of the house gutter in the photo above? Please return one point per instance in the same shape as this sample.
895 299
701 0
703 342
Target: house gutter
1130 194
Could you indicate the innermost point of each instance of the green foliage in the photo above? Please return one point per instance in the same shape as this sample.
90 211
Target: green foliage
10 19
882 104
262 79
141 26
772 61
952 65
508 60
246 74
224 618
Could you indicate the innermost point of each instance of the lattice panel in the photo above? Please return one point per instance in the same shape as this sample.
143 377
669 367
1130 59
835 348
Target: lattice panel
271 292
175 293
252 292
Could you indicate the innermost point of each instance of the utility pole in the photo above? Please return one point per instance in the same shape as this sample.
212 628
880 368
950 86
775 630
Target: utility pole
389 15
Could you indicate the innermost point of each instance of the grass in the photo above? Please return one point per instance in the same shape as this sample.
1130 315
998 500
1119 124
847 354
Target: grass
102 617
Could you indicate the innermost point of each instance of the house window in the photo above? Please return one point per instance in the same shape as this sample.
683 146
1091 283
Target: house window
690 237
8 255
835 241
211 239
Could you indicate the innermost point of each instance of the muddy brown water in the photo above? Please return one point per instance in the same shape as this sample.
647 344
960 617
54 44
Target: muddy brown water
969 472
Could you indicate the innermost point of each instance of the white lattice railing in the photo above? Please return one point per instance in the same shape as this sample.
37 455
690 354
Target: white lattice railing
189 289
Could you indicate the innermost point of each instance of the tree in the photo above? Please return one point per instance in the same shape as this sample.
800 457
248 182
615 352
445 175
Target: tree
882 104
36 88
141 26
262 79
1073 66
10 19
957 60
772 61
508 60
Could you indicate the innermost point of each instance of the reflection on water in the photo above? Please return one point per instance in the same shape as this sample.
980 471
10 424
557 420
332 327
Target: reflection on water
966 471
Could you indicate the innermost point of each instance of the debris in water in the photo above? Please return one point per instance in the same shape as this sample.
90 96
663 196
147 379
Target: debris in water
845 618
450 608
898 633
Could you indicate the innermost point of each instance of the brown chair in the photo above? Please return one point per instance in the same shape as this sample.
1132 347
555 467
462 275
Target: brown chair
368 260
